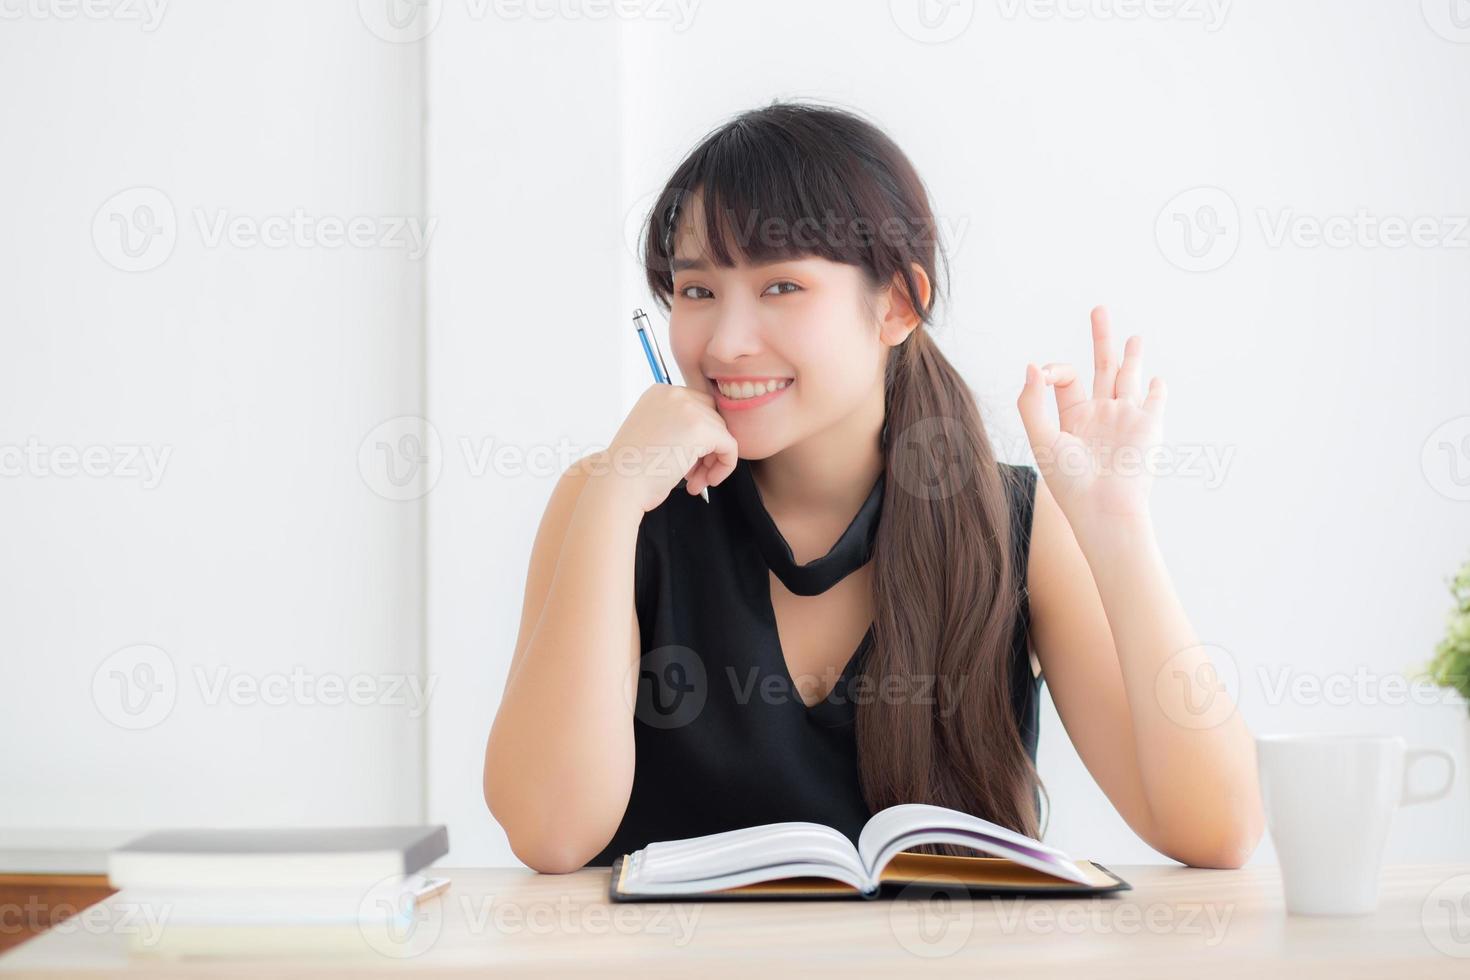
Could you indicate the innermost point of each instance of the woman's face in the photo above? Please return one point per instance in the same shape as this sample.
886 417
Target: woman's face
805 323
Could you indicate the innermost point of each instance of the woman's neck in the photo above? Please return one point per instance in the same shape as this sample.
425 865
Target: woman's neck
827 476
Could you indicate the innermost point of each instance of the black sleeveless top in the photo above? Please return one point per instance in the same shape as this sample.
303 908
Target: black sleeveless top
723 738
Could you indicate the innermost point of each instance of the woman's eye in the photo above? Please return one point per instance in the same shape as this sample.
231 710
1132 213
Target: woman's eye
685 292
784 282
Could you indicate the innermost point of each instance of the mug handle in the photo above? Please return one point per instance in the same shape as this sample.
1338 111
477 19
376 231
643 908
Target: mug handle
1412 756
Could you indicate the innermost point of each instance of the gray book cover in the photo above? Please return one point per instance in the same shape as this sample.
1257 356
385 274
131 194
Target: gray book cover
419 846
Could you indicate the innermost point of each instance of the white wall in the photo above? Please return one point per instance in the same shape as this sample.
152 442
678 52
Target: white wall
261 546
1316 544
524 174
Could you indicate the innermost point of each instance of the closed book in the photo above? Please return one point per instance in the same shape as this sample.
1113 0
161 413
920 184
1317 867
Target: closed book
802 860
309 905
389 918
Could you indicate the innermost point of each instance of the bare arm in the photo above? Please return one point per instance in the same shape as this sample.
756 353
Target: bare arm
1111 635
559 760
1134 687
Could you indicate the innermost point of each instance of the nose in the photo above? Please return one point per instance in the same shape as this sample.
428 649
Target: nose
737 334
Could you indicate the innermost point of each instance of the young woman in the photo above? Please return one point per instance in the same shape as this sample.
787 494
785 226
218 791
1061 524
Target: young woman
849 622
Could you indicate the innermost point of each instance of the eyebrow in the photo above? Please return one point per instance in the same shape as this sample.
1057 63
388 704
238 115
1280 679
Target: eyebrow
679 265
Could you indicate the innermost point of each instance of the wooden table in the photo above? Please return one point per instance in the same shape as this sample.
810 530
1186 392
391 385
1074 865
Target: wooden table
1176 922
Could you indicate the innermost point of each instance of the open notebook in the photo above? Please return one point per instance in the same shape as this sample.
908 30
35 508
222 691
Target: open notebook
809 860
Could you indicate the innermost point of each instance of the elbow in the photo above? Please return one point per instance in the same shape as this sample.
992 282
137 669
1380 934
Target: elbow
544 849
1229 847
1228 854
547 858
1223 834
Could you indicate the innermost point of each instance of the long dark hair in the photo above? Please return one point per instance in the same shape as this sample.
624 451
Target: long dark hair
831 184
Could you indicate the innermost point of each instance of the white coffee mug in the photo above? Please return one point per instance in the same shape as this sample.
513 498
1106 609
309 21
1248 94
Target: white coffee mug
1329 800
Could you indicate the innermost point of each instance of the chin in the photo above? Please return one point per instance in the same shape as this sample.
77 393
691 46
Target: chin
757 447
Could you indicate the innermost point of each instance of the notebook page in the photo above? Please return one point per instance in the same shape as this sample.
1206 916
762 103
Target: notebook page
740 850
1059 867
904 818
753 876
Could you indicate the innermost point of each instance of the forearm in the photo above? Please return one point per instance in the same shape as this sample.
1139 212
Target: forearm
1196 758
559 762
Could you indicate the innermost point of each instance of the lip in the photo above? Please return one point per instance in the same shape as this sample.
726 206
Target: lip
740 405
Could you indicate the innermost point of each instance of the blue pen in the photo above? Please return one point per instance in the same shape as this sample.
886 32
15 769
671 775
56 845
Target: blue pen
655 360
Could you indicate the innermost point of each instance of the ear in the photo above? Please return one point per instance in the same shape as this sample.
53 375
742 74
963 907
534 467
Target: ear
898 315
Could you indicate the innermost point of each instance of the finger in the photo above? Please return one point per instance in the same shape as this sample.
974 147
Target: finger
720 463
1157 395
703 396
694 479
1105 366
1063 378
1040 429
702 475
1130 374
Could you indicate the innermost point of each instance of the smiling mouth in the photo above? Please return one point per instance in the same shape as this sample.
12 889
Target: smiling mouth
737 395
742 389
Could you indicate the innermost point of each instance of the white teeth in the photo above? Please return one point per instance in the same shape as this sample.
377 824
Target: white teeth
750 389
